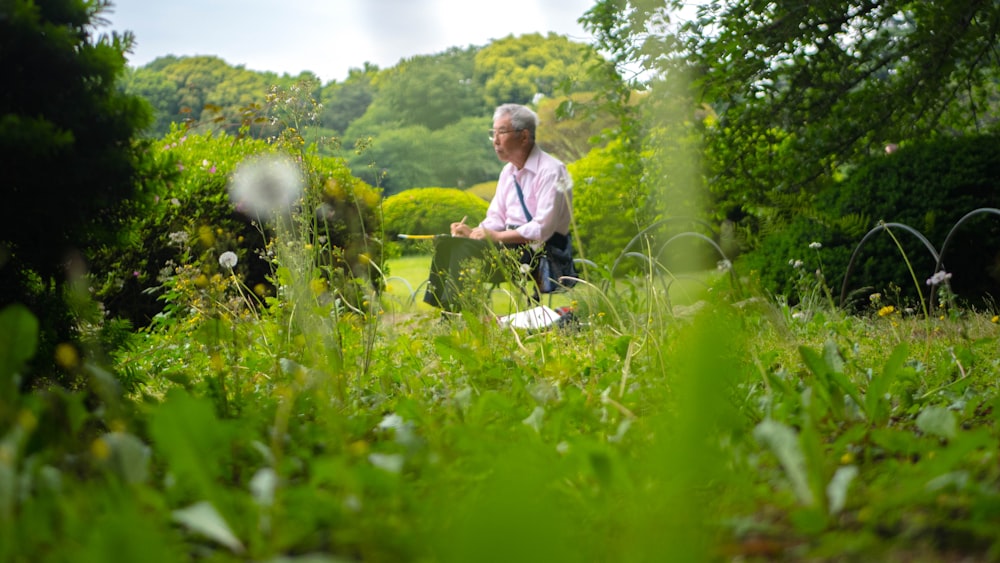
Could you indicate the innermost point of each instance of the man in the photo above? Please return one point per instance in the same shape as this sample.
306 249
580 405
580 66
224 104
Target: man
531 210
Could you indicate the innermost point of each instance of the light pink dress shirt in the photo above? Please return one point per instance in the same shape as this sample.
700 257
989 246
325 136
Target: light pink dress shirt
548 195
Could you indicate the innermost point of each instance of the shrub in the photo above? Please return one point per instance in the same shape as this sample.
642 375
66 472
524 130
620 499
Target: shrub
607 206
188 221
484 190
927 186
429 211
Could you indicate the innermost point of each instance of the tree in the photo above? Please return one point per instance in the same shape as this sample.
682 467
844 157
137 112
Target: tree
344 102
801 89
432 91
66 135
516 69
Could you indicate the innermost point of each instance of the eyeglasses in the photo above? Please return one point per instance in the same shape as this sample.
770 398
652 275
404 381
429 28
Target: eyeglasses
494 133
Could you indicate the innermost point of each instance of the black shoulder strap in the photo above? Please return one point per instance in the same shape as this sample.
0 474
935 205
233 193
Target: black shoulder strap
520 196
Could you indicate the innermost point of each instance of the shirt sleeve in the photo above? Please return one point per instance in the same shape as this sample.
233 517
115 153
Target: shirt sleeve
496 216
552 197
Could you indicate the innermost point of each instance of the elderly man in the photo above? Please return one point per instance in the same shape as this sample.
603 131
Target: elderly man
530 211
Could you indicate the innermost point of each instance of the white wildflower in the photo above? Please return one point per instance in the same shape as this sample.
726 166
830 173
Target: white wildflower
264 186
724 265
228 259
525 269
815 245
178 238
938 278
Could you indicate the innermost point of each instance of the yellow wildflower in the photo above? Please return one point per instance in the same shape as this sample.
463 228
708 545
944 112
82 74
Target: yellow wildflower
886 311
66 356
318 286
995 319
100 449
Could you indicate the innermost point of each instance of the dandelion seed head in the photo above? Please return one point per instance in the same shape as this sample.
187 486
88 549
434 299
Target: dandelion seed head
228 259
264 186
564 184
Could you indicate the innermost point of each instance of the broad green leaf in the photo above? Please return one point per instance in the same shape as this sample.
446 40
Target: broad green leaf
192 440
535 419
202 518
18 343
393 463
876 404
824 388
938 421
263 485
836 491
784 443
129 457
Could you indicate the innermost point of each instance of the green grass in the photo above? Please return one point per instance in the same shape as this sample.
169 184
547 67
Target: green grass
689 421
404 292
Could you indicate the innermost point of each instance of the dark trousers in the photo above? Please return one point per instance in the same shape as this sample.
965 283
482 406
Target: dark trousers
452 255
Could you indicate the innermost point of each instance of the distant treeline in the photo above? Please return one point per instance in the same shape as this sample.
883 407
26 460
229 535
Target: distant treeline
420 123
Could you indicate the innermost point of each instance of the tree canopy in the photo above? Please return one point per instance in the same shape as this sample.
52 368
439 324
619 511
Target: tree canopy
797 90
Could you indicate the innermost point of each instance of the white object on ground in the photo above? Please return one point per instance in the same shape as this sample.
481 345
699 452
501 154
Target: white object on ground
538 317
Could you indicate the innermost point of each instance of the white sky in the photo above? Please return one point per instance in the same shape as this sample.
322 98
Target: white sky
329 37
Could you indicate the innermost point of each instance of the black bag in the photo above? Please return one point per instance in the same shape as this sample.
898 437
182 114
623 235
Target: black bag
556 268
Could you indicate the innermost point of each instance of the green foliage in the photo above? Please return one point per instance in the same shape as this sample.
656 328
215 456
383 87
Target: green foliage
202 90
347 101
401 158
432 91
516 69
69 158
927 186
484 190
429 211
826 84
608 204
175 240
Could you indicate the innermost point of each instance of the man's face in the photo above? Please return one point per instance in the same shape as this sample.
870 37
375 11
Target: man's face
506 141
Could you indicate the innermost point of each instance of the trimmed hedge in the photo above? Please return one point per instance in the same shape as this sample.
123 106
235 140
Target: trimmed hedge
429 211
927 186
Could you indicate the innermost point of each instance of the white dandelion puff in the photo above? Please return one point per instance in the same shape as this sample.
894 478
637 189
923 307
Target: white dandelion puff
264 186
564 184
228 259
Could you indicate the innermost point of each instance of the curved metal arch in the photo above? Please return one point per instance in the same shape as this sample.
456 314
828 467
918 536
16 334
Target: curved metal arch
712 243
875 230
947 238
652 226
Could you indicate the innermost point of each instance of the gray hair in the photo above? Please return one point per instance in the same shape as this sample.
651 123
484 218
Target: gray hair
521 117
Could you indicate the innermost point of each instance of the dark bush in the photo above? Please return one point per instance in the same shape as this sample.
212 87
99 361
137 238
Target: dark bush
928 187
66 134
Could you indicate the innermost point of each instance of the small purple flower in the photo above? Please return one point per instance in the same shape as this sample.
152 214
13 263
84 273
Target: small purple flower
938 278
135 273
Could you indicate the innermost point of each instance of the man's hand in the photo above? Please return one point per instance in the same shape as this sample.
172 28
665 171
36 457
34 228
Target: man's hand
460 229
479 233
